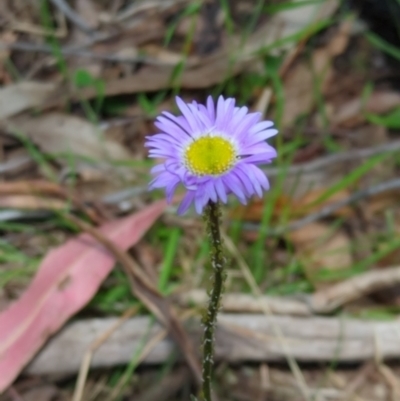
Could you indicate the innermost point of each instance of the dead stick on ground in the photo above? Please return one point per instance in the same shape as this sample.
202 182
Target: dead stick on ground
72 52
321 302
46 188
144 289
73 16
239 338
247 303
354 288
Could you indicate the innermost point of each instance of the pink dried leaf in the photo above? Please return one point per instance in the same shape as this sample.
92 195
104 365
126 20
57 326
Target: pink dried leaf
68 277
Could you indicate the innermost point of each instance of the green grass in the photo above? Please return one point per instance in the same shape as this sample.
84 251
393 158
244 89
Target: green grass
289 5
115 296
385 313
47 23
192 10
42 160
83 79
383 45
352 178
20 267
170 251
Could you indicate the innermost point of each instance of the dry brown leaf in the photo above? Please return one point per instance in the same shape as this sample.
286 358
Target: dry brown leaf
22 96
30 202
255 209
351 113
299 97
165 56
32 187
61 133
318 246
381 202
37 194
309 203
291 20
299 207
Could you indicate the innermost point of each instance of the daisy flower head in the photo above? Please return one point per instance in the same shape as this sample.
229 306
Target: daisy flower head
213 150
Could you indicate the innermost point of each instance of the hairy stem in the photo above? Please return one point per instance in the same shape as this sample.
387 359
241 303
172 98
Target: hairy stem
212 216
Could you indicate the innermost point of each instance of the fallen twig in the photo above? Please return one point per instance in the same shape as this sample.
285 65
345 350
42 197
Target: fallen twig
75 52
42 188
354 288
247 303
73 16
238 338
320 302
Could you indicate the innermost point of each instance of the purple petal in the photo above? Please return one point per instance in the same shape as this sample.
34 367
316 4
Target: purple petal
200 201
202 118
260 157
260 177
238 115
163 137
186 202
170 189
162 180
261 126
190 181
233 183
221 190
187 113
211 108
164 151
261 136
209 189
157 169
247 169
220 110
244 179
247 122
172 128
224 113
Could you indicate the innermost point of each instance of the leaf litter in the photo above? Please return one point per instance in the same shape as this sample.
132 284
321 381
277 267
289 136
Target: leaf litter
80 91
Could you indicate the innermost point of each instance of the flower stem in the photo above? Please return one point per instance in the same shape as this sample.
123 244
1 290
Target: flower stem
212 216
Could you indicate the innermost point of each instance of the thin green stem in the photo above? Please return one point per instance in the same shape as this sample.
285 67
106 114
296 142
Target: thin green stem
212 216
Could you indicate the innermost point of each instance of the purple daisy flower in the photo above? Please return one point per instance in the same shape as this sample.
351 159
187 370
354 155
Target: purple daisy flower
212 150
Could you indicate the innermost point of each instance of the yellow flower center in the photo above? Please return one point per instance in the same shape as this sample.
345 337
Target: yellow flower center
210 155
